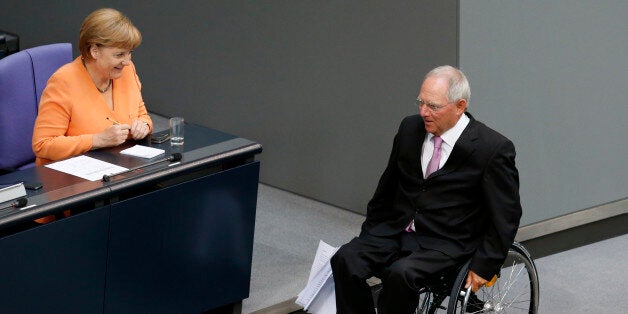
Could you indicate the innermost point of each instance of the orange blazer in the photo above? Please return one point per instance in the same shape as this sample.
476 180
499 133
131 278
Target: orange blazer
72 110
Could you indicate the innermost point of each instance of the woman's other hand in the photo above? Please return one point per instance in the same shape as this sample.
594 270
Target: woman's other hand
139 129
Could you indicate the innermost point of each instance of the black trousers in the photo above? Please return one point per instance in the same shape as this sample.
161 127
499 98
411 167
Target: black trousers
399 261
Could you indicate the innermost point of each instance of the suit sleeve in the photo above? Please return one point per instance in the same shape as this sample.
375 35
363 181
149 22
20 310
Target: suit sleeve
500 188
386 187
142 112
52 122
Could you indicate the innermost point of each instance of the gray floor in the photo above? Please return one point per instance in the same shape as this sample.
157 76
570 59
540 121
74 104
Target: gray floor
589 279
287 232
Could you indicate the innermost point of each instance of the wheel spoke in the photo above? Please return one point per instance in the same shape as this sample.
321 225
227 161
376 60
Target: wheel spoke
516 290
511 282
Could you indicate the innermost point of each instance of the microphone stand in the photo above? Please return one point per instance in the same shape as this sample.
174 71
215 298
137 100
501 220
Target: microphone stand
172 158
18 203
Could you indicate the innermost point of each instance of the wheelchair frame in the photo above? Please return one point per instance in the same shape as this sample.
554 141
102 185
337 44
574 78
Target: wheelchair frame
516 289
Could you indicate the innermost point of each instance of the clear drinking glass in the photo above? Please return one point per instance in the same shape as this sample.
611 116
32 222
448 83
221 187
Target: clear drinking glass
176 131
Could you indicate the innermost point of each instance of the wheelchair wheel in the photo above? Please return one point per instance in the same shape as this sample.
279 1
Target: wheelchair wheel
515 291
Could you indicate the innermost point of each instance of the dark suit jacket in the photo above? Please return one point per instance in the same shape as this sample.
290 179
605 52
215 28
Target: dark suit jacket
469 207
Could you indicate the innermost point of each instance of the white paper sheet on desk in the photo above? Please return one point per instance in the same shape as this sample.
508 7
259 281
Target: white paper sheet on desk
86 167
142 151
318 296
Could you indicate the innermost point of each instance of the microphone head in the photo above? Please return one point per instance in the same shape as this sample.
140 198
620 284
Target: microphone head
175 157
20 202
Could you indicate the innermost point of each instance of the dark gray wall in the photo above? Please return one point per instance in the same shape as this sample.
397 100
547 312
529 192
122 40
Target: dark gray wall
321 84
552 75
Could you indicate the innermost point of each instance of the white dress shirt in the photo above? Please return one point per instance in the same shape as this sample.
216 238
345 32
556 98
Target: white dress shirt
449 140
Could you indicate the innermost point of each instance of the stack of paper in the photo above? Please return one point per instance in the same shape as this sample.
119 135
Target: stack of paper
319 294
142 151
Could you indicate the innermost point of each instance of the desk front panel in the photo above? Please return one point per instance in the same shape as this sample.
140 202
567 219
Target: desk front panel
56 268
186 248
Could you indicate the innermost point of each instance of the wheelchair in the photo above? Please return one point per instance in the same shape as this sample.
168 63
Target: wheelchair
514 290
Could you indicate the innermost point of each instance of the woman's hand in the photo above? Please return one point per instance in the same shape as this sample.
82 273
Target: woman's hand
111 136
139 129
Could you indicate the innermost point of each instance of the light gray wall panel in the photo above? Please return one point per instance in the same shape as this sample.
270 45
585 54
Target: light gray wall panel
552 76
322 85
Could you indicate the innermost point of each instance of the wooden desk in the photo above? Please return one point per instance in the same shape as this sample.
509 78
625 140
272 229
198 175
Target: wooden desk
163 239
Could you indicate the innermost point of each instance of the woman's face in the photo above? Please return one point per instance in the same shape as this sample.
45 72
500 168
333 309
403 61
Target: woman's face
111 60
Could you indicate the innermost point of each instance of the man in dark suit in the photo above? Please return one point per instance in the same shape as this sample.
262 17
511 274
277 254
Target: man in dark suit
450 193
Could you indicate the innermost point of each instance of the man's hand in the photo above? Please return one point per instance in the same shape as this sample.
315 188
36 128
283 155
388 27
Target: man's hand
474 281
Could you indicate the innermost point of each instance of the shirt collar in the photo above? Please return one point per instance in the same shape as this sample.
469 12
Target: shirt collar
452 135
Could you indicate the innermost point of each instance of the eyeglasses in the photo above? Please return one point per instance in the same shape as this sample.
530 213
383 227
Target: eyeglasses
430 106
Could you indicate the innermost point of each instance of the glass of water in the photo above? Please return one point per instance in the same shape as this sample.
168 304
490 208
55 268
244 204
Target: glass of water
176 131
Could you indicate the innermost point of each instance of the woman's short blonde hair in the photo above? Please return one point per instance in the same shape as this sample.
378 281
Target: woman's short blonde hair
109 28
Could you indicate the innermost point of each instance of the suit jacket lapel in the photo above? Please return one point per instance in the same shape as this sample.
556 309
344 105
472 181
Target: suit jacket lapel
462 149
419 150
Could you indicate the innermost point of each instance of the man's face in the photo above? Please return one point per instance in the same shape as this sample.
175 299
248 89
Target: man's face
437 112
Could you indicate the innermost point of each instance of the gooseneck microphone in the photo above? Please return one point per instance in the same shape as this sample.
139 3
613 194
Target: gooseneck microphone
172 158
18 203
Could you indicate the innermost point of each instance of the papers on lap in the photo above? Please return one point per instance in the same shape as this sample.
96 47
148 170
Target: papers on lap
86 167
319 295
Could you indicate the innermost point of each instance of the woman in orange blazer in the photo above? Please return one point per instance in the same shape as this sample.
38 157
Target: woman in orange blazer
96 100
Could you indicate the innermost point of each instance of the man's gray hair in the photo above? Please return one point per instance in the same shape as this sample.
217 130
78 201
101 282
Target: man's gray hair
458 83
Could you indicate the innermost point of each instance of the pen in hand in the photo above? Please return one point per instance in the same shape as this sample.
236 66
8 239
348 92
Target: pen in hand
113 121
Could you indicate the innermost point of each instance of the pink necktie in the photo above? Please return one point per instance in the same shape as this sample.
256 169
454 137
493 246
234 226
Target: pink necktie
435 161
431 167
